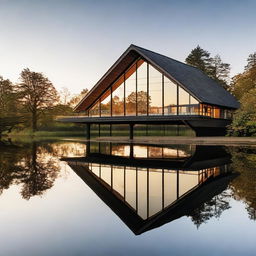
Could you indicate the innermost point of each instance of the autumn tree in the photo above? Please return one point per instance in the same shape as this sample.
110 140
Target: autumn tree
37 94
77 98
243 86
142 99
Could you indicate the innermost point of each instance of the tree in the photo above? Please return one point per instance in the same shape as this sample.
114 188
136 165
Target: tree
77 98
244 186
219 71
142 100
8 106
200 59
64 95
251 61
31 166
37 94
213 67
243 86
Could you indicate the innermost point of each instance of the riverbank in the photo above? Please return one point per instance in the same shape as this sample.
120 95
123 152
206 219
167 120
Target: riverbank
228 141
157 140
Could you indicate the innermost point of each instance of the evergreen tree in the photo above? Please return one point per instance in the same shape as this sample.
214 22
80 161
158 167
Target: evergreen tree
251 61
200 59
213 67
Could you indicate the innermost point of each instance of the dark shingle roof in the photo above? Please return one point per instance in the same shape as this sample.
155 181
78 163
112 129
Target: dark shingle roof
193 80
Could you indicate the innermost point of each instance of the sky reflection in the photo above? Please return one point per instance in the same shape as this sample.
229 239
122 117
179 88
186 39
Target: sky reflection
70 219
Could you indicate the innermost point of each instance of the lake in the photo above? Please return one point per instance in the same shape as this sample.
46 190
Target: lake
68 197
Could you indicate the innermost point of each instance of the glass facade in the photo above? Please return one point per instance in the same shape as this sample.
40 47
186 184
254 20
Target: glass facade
143 90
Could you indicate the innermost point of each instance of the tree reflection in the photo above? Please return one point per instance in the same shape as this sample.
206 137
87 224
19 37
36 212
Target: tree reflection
40 172
244 186
30 166
212 208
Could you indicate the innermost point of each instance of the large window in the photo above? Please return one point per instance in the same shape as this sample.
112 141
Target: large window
130 91
183 102
105 105
95 110
142 88
118 97
155 92
170 97
194 106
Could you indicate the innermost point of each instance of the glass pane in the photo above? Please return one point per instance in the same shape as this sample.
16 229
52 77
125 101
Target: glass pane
187 181
105 173
104 130
95 132
95 109
170 187
142 87
170 97
118 98
216 112
142 193
130 187
155 191
183 102
118 180
194 106
105 107
130 91
155 91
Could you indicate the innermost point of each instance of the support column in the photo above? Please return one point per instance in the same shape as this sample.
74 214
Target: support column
131 131
88 148
88 131
131 151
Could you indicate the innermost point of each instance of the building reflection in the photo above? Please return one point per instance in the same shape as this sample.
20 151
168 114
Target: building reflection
149 185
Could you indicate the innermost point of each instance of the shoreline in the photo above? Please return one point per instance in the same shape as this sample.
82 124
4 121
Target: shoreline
228 141
225 141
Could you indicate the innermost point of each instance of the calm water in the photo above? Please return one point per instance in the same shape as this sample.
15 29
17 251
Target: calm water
73 198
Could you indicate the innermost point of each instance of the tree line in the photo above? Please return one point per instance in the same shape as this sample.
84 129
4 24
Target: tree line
33 102
242 86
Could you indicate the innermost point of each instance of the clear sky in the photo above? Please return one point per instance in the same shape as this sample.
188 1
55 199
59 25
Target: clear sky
75 42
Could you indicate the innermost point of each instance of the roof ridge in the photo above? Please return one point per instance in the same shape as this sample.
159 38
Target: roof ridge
185 64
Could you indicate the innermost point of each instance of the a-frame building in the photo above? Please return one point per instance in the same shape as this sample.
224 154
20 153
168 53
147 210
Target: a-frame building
144 87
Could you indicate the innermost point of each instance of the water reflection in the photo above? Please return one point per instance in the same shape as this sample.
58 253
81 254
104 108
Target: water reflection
145 185
29 165
244 187
149 185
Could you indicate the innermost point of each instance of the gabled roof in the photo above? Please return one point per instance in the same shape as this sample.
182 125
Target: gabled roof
193 80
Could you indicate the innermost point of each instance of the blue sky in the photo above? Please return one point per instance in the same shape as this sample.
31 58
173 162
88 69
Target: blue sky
75 42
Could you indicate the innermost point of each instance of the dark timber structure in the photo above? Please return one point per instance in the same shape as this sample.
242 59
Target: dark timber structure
144 87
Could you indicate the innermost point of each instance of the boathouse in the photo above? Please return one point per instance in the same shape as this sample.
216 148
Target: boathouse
146 88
